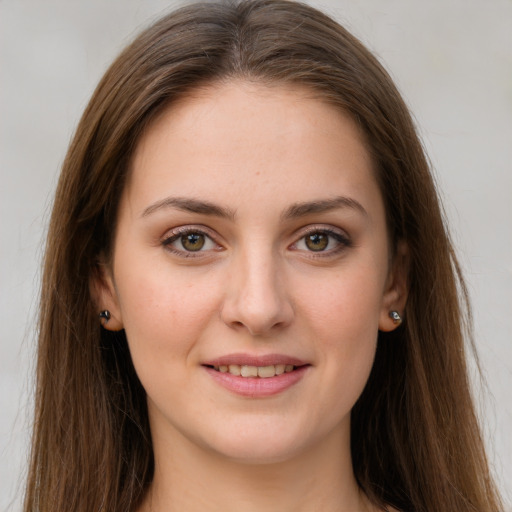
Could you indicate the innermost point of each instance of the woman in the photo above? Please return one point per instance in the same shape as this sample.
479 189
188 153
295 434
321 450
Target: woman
249 298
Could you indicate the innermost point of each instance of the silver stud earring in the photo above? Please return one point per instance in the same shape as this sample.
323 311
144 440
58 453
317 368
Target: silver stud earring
104 316
395 316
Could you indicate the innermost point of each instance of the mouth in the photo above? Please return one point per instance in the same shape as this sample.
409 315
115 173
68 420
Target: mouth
256 376
255 372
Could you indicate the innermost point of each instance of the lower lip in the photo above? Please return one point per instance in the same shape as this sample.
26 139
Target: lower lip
257 387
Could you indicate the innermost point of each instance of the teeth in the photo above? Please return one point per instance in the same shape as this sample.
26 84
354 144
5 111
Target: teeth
263 372
249 371
234 369
266 371
280 369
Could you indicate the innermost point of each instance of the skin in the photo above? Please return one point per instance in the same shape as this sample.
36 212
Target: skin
255 287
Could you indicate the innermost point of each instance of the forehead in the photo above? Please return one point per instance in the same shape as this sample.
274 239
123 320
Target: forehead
240 139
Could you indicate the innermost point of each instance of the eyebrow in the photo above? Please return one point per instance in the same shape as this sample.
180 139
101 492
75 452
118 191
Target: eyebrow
190 205
296 210
321 206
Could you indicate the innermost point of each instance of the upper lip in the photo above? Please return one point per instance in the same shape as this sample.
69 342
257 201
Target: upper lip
253 360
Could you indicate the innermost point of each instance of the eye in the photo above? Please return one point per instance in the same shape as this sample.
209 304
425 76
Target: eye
322 241
192 241
187 240
317 241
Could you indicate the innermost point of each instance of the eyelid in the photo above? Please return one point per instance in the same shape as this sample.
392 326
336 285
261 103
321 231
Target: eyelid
342 238
175 233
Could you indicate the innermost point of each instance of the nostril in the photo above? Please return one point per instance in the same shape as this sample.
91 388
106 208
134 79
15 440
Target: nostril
259 308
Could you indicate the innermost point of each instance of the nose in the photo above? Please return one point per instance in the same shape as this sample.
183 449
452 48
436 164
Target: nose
257 298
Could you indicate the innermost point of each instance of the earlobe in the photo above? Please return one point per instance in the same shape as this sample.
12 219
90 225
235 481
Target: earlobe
390 319
395 316
395 295
104 295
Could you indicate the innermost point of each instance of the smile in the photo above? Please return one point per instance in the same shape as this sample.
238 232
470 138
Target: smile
256 376
262 372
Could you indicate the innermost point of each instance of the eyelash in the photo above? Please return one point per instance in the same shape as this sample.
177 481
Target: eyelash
182 232
342 241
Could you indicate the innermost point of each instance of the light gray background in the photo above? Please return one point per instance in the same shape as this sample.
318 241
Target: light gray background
452 59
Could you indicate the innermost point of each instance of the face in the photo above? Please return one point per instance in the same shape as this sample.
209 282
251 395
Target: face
251 271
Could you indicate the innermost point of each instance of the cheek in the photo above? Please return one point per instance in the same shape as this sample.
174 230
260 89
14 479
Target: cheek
164 312
343 317
346 304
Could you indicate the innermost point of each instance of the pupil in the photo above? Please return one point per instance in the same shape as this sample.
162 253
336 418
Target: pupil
193 241
317 241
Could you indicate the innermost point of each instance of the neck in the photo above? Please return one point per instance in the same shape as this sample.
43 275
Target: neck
188 478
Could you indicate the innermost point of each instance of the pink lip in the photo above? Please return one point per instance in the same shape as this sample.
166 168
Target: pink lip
256 387
251 360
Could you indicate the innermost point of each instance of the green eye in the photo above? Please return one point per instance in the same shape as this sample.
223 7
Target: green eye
317 241
193 241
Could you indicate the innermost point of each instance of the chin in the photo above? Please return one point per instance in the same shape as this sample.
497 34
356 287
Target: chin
260 444
258 455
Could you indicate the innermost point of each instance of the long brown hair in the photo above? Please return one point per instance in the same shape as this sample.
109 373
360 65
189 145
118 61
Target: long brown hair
416 444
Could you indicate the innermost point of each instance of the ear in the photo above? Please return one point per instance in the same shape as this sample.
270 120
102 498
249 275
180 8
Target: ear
396 291
104 295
